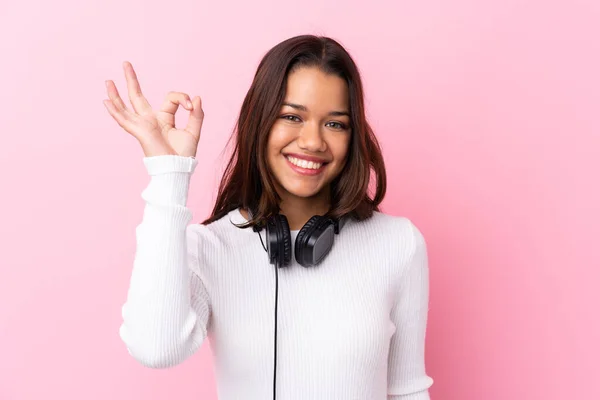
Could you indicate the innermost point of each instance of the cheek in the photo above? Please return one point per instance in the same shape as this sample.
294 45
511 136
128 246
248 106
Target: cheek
272 146
279 137
278 140
339 149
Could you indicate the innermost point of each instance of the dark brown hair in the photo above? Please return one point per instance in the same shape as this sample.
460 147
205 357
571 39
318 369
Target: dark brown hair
247 181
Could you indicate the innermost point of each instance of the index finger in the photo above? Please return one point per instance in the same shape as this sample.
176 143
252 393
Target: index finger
138 101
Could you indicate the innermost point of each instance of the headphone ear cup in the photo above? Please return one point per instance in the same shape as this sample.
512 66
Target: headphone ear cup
283 240
304 231
303 236
271 237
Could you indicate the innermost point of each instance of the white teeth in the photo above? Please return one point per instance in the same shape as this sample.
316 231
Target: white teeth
304 163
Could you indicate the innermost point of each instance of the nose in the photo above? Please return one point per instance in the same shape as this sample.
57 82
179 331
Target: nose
311 138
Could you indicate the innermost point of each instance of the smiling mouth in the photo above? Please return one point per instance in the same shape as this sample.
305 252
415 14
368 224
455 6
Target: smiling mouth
305 164
304 167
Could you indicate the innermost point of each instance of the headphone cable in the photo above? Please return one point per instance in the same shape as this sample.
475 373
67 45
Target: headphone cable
257 230
275 341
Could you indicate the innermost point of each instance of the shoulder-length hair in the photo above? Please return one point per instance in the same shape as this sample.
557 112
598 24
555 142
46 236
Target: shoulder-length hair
247 181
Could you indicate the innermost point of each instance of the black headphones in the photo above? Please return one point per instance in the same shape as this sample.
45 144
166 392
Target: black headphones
313 243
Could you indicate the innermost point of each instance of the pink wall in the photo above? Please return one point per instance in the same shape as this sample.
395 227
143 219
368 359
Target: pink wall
489 117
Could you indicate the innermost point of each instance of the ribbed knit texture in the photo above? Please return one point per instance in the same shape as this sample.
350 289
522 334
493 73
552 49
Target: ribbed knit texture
352 327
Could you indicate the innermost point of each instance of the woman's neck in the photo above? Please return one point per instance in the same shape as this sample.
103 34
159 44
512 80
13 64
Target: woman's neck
298 210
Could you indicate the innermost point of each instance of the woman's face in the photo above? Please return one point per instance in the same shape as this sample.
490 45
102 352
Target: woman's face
309 140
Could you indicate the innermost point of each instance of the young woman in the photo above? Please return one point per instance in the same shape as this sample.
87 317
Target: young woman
325 297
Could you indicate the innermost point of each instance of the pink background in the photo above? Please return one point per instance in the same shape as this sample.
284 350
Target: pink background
489 117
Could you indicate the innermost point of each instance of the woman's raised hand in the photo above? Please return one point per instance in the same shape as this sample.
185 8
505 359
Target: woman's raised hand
155 130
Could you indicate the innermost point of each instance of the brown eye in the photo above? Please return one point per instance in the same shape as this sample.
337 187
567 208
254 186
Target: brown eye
339 125
291 116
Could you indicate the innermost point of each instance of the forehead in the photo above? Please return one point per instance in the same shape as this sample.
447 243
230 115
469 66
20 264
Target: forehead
316 90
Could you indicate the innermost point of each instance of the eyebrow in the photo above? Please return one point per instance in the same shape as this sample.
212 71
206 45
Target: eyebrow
303 108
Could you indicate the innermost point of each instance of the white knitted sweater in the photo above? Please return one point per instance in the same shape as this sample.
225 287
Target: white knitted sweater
352 327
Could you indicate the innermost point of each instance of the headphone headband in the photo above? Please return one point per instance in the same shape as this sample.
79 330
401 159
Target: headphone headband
338 223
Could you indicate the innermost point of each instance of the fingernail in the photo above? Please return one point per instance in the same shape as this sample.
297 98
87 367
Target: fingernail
189 104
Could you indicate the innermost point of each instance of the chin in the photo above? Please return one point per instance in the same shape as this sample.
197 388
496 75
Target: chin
302 191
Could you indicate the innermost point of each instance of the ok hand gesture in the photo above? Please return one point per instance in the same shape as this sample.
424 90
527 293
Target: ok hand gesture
155 130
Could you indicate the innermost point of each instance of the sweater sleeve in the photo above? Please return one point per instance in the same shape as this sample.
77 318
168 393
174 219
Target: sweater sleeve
167 309
407 379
